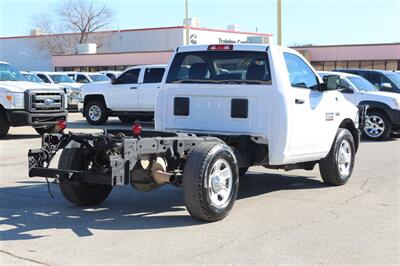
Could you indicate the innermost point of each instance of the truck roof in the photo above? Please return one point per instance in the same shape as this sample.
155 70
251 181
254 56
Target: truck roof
235 47
344 74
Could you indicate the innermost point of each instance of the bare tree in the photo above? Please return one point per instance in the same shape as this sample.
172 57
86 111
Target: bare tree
73 22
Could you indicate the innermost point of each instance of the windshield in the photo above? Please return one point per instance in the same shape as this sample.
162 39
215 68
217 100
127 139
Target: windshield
9 73
395 78
58 78
220 67
33 78
97 78
362 84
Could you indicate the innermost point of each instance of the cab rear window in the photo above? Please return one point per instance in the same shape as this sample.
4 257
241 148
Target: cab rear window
220 67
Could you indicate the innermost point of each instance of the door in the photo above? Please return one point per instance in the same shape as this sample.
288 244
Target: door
313 111
148 90
123 92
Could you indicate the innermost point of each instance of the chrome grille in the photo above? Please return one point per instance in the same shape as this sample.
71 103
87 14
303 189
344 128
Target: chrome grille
46 101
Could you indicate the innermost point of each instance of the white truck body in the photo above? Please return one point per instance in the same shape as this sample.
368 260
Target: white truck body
294 132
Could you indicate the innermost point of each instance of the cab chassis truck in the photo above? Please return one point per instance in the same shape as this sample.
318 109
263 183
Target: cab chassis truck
204 151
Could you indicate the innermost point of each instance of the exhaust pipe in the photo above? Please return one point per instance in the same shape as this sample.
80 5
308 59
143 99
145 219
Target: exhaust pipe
159 172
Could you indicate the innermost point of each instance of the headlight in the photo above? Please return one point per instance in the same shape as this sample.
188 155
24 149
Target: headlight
397 102
16 99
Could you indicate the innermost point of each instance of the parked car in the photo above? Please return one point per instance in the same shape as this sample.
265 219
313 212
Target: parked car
25 103
70 87
383 115
268 107
131 96
382 79
32 77
111 74
87 77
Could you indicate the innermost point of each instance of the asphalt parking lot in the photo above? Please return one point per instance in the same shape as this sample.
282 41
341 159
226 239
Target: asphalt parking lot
279 217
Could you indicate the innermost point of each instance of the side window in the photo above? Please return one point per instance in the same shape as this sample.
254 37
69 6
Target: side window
374 78
153 75
129 77
44 78
81 79
300 74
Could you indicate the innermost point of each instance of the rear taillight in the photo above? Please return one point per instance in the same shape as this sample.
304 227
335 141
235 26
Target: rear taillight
220 47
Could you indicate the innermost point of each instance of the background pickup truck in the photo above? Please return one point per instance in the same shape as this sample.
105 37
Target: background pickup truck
220 110
25 103
383 115
131 96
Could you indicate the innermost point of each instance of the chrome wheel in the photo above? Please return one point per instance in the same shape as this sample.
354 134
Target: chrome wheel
94 113
344 158
220 183
374 126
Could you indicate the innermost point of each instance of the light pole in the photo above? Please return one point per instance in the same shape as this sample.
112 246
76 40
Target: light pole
279 22
187 22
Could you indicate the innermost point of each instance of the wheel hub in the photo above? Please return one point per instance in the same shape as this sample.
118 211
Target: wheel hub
374 126
94 112
344 158
220 183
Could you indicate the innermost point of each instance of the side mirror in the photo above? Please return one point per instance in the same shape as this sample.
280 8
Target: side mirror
384 85
114 81
331 83
344 87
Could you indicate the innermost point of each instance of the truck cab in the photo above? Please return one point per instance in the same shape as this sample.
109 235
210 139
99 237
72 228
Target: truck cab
131 96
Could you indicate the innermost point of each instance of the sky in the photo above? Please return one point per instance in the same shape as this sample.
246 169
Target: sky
317 22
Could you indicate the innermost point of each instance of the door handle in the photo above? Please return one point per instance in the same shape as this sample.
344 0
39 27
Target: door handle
298 101
133 88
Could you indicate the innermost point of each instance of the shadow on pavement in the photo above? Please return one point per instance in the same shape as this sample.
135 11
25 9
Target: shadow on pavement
20 136
28 208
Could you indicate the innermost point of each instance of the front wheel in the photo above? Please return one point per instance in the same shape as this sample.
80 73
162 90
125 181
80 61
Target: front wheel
210 181
377 126
80 193
96 112
4 124
337 167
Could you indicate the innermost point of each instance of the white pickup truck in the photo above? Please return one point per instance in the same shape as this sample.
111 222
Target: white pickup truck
220 110
87 77
24 103
70 87
383 116
131 96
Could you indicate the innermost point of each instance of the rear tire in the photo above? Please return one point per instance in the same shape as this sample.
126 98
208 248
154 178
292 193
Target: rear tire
378 126
79 193
146 118
127 118
243 171
4 124
96 112
336 168
210 181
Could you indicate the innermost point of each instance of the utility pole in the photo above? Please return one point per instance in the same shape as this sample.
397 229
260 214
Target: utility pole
279 22
187 22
